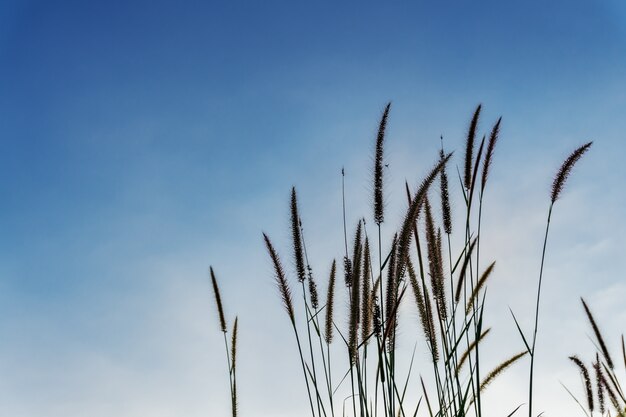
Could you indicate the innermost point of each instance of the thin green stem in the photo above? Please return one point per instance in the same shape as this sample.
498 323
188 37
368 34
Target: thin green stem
532 349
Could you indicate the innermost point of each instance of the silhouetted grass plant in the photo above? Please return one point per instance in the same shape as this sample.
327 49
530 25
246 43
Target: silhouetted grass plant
448 290
605 378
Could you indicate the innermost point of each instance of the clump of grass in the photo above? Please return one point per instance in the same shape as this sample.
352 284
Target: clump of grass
607 383
449 294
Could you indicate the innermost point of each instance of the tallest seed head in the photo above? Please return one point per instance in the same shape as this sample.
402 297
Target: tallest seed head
378 168
565 170
297 237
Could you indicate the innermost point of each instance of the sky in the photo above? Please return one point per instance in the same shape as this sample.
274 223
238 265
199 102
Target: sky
143 141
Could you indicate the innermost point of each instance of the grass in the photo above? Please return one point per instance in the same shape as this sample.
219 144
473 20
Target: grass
447 288
603 390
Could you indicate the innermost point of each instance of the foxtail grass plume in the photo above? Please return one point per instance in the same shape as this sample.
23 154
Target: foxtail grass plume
468 351
377 321
233 367
491 145
281 280
378 168
446 212
404 238
599 387
434 262
233 346
218 302
425 316
313 291
585 375
479 285
355 303
356 254
330 302
469 148
565 170
599 338
366 296
606 387
347 270
501 368
297 237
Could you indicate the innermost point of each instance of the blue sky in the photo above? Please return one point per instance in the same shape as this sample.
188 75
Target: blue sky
143 141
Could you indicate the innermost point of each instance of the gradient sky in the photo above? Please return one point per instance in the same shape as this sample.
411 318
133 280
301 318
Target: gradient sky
144 141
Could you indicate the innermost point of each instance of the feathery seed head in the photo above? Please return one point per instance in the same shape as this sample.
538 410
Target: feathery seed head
218 301
469 148
565 170
281 280
378 168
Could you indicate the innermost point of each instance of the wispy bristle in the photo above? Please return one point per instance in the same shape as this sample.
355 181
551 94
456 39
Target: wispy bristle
378 168
218 301
599 338
501 368
585 375
493 139
296 237
330 301
404 238
281 280
565 170
469 148
446 212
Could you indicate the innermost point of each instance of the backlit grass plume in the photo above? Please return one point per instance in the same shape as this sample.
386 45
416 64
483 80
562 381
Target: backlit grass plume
501 368
446 211
491 146
566 169
218 301
586 380
296 237
469 148
378 168
596 332
281 280
330 304
404 238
